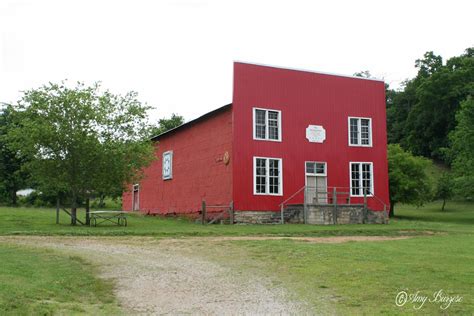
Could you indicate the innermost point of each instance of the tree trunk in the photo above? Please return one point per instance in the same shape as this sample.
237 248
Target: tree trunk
392 209
88 218
74 210
57 209
444 204
13 197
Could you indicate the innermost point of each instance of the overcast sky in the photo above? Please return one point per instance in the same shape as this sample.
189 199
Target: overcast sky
178 54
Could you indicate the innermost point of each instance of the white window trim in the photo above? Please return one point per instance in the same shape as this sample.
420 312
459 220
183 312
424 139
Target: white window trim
325 174
359 127
360 179
267 175
266 125
170 153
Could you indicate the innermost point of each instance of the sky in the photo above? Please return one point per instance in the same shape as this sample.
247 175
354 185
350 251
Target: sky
178 54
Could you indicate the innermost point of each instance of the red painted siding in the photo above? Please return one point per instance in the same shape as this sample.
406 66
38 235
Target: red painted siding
198 168
305 98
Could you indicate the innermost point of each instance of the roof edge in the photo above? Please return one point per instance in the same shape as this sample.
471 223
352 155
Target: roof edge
307 70
196 120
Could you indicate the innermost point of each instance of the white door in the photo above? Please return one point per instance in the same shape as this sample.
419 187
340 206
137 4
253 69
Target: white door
316 189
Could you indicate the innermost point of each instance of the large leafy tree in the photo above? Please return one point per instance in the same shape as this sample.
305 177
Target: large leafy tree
12 176
80 140
408 179
463 150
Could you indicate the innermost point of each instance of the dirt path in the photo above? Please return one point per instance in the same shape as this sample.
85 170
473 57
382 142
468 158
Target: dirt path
158 277
168 276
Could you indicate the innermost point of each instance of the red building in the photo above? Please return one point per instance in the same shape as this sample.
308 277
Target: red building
287 134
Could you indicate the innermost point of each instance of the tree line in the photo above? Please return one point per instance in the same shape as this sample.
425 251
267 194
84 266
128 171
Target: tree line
432 116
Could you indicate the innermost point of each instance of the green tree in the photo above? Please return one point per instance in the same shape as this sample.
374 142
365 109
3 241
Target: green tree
81 141
463 150
444 190
12 176
408 180
166 124
439 89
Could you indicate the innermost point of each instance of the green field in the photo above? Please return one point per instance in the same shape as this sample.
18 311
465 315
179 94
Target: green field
343 278
458 217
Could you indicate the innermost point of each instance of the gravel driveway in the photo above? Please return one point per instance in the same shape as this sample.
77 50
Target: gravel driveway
163 277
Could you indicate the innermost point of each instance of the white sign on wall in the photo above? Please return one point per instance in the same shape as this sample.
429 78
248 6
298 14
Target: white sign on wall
315 133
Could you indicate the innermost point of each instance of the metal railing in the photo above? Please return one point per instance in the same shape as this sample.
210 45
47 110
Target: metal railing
331 196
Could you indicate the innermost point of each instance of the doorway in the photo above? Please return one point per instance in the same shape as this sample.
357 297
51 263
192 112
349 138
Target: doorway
136 198
316 183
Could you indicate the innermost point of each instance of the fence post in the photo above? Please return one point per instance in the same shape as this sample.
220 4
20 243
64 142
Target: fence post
334 202
203 212
365 205
282 218
231 213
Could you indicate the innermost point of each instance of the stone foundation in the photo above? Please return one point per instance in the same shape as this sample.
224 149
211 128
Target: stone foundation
317 214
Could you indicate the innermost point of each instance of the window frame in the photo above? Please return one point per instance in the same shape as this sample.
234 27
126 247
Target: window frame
267 134
360 180
359 131
170 176
267 176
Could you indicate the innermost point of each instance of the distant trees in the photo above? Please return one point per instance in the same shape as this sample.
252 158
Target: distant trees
166 124
422 115
462 150
80 141
12 176
408 180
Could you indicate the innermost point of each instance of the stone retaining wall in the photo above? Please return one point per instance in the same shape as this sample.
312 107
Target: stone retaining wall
317 214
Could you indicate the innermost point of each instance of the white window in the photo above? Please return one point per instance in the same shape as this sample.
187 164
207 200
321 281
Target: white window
167 165
360 131
267 176
266 124
315 168
362 178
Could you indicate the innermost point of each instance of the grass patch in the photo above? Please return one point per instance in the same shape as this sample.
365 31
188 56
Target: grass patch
30 221
43 282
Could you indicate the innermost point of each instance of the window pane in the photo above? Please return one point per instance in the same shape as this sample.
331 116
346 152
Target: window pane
260 124
366 178
365 131
260 117
354 131
310 167
273 125
260 171
355 176
274 177
320 168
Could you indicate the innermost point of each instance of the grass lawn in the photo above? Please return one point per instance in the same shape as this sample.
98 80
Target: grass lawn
363 278
458 218
42 282
360 278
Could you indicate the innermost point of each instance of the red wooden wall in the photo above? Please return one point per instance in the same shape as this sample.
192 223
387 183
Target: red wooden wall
199 171
305 98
